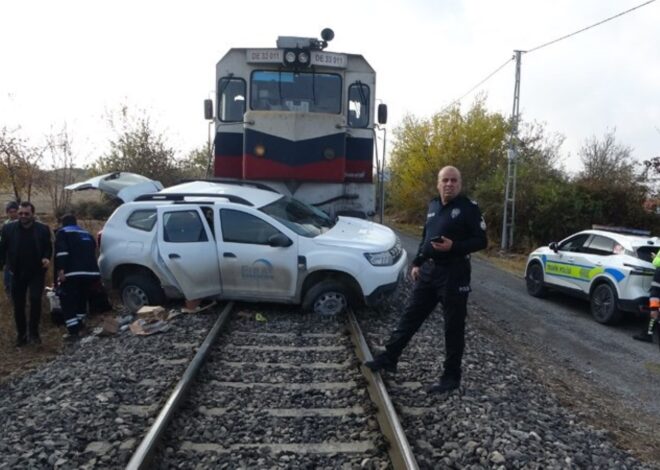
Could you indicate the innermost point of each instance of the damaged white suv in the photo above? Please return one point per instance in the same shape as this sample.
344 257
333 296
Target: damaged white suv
240 241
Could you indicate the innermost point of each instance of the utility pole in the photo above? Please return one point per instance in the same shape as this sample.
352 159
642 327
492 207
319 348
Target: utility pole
382 178
512 157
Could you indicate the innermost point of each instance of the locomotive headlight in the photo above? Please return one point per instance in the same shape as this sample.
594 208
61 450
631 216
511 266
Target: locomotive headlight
329 153
289 57
303 58
259 150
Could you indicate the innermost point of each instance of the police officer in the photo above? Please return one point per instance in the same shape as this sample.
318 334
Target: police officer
77 270
654 305
441 271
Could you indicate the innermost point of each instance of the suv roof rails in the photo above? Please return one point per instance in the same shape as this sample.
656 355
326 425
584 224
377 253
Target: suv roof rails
622 230
255 184
182 196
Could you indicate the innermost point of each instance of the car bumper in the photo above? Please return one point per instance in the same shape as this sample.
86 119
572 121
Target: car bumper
638 305
386 290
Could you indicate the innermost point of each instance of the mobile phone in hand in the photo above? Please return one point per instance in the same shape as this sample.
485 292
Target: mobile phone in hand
437 239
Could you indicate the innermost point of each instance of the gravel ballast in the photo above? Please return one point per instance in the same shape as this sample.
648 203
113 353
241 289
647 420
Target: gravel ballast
90 407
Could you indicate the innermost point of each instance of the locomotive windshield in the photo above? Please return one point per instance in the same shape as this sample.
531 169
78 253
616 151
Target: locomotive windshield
295 91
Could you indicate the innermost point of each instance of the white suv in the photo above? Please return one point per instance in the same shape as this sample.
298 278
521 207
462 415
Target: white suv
610 267
241 241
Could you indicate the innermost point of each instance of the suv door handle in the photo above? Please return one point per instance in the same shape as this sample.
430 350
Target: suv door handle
174 256
228 255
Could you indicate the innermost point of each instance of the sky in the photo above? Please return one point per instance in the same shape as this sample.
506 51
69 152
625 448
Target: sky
72 62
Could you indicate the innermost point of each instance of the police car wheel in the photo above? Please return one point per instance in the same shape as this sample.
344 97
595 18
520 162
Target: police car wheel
138 290
327 298
603 304
534 280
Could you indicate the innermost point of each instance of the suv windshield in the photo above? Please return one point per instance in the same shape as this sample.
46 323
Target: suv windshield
302 218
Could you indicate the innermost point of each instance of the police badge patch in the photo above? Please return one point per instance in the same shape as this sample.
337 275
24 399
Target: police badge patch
455 213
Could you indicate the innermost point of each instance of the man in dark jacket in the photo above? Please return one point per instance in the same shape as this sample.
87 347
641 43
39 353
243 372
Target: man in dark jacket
77 270
26 248
441 271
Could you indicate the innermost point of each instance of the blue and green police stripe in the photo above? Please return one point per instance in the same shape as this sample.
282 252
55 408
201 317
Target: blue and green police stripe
579 272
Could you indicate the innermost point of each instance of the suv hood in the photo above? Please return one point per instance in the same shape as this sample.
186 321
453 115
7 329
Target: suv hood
358 233
120 184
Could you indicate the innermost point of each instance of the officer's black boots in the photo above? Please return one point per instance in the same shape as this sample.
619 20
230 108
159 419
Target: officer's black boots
446 384
643 336
381 362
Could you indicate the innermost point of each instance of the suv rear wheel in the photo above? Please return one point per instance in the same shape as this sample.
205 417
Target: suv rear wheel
138 290
534 280
603 304
327 298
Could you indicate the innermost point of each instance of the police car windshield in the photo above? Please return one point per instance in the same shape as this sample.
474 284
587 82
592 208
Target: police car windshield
302 218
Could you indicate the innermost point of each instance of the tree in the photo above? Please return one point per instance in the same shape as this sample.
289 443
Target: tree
138 148
474 142
60 174
606 162
195 164
19 163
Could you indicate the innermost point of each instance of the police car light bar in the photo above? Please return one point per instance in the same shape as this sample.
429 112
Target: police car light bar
623 230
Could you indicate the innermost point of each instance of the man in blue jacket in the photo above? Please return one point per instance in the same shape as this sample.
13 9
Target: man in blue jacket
441 271
26 248
76 269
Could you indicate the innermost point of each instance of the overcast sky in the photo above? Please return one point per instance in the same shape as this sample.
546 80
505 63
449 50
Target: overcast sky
69 61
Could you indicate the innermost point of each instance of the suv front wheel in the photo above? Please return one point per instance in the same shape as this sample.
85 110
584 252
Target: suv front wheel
603 304
138 290
327 298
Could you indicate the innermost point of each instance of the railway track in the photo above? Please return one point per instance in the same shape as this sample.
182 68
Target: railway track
286 391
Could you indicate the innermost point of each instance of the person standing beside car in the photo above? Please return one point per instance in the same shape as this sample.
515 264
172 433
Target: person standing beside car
11 209
77 270
441 272
26 248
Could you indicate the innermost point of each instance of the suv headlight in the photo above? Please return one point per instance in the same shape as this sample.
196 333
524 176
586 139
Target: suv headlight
386 258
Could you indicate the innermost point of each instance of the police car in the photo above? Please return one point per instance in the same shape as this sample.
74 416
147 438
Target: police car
610 267
239 241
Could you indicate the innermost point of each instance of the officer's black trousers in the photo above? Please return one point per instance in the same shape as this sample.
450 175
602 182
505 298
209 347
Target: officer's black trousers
75 297
19 289
449 285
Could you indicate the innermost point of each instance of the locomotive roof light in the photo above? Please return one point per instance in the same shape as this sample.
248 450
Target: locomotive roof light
290 57
303 58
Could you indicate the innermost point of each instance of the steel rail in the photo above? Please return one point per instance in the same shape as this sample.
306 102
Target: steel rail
141 459
400 451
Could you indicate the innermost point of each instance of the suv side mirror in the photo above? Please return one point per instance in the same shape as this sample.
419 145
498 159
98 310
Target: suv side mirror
279 240
553 247
208 109
382 113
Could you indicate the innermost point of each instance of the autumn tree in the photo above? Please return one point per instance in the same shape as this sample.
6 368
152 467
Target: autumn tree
474 142
138 147
59 173
19 163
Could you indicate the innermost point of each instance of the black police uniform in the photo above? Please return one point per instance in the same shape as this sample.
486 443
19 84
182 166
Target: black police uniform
444 277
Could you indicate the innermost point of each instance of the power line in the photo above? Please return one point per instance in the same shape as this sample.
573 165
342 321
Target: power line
488 77
588 27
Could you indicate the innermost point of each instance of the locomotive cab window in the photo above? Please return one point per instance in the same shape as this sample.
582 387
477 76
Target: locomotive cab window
358 105
308 92
231 99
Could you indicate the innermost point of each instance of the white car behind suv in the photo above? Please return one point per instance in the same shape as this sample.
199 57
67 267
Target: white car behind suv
610 267
240 241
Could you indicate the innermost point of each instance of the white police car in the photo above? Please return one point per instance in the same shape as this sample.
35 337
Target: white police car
239 241
610 267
